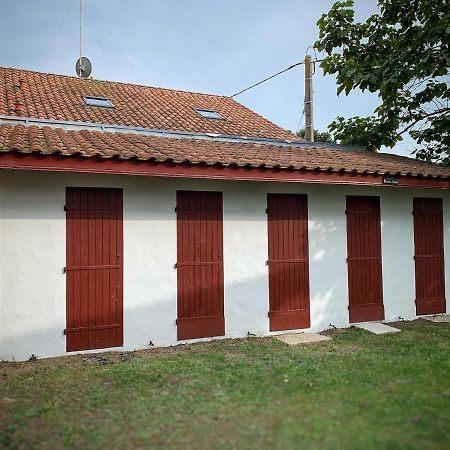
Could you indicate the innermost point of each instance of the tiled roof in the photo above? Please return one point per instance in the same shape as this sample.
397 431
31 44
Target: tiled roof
56 97
59 98
46 140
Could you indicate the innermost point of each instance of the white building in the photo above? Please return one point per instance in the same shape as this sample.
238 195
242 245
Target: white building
131 215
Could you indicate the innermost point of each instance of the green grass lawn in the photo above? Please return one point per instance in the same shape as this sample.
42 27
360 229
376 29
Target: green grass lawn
358 391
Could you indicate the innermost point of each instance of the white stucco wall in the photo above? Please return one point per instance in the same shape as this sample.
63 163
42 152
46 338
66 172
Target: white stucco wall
32 256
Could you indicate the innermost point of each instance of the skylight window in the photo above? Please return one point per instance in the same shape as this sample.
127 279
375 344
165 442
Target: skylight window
209 114
98 101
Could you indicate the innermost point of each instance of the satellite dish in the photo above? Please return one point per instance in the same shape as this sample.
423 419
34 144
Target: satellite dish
85 69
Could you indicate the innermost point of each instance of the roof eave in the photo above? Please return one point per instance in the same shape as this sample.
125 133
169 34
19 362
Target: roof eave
115 166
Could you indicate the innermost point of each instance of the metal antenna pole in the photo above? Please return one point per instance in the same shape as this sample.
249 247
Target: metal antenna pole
309 126
81 36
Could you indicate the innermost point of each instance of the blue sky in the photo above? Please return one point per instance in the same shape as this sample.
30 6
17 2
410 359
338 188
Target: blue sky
218 47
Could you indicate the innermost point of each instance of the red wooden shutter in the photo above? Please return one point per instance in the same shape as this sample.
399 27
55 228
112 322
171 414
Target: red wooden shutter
429 255
365 285
288 261
94 314
200 265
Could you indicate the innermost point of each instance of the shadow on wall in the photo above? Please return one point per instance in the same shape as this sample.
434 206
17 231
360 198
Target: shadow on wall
149 317
318 249
154 320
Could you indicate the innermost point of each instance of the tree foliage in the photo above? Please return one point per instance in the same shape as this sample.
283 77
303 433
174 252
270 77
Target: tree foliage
319 136
403 54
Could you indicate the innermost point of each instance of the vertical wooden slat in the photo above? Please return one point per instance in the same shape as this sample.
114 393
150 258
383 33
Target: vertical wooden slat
192 305
70 312
429 256
197 256
284 267
112 260
91 335
94 268
181 245
215 251
199 265
84 275
106 285
76 275
276 275
220 291
364 259
287 216
119 262
98 260
203 299
297 279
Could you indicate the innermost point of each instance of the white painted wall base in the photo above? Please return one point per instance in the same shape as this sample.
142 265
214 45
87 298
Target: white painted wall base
32 256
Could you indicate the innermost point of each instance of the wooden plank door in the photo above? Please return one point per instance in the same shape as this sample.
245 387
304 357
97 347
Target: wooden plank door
94 305
429 255
287 216
200 309
365 283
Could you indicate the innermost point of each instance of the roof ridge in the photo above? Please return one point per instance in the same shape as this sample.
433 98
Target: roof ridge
117 82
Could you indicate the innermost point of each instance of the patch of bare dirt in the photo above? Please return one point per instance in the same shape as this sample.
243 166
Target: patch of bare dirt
108 357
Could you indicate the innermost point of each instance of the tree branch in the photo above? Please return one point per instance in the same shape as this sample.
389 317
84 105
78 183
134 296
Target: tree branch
439 111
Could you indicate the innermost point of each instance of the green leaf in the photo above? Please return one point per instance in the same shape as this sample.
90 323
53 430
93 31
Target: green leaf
402 53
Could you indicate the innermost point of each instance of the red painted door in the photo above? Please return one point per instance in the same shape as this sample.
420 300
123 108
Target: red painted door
365 283
94 311
429 255
199 265
287 216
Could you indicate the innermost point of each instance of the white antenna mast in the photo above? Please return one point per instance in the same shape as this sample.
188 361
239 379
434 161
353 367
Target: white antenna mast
81 38
83 66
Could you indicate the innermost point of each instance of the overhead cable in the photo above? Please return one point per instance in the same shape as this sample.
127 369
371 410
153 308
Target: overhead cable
272 76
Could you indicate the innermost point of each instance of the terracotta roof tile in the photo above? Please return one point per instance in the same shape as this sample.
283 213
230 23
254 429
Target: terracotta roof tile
46 140
55 97
58 97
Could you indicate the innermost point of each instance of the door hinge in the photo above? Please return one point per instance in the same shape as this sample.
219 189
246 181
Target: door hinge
175 209
64 332
64 270
175 266
267 262
65 208
176 321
